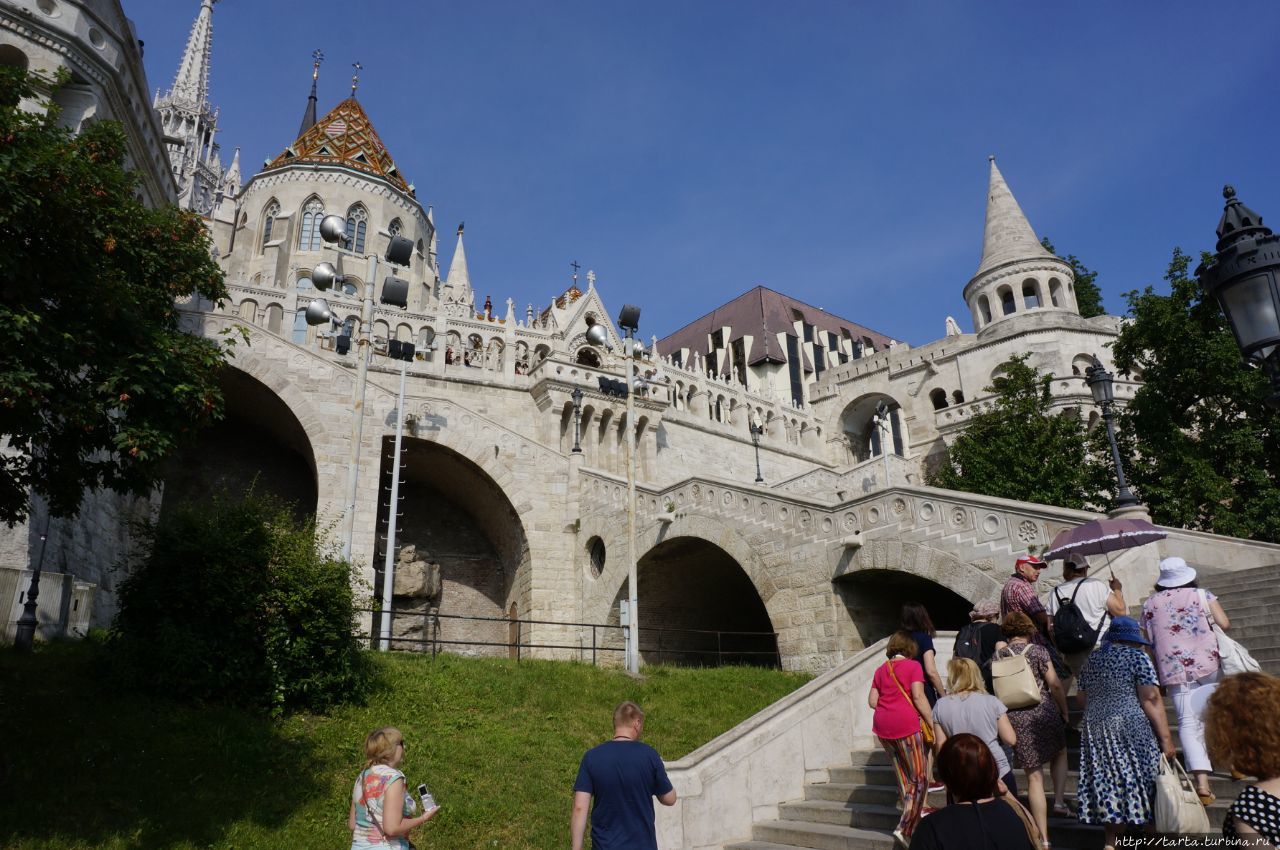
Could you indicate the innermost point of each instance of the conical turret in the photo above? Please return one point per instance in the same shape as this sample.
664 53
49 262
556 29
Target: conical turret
1016 274
1007 235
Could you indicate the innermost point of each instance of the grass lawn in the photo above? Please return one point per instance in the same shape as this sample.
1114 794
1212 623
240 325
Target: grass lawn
86 766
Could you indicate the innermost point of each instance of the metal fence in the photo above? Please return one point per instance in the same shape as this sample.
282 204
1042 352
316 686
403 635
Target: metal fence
589 642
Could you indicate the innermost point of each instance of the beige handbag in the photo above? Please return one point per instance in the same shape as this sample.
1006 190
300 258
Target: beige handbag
1014 682
1178 807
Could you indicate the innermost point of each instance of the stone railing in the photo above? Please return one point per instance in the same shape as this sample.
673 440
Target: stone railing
830 486
742 777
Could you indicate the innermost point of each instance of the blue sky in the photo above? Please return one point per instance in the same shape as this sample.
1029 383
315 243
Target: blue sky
834 151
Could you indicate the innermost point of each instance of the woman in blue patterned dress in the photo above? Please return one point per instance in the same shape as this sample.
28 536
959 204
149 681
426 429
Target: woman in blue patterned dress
1123 733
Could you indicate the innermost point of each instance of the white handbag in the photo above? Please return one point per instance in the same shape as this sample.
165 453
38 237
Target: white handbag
1232 656
1178 807
1014 683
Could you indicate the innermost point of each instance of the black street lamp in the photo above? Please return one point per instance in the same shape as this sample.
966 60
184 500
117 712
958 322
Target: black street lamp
25 637
756 430
1245 279
1100 383
576 395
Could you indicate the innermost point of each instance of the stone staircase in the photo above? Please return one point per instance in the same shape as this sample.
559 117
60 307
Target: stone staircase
856 808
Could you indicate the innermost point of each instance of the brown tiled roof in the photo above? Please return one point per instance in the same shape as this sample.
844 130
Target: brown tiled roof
762 313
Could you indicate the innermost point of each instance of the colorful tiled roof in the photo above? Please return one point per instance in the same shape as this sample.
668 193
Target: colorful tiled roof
344 137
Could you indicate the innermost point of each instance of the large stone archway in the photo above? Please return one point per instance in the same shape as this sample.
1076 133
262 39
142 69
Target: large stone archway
456 516
260 444
724 562
874 582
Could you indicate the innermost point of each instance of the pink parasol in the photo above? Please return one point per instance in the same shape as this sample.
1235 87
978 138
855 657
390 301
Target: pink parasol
1103 536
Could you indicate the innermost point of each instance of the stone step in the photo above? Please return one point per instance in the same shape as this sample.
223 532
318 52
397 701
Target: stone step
885 778
885 794
820 836
1243 581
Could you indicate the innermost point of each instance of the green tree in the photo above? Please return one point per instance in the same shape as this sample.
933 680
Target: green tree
1088 295
1203 448
97 382
235 601
1021 448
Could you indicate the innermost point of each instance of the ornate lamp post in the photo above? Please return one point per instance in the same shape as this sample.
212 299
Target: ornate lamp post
756 430
25 637
1245 279
1100 383
576 395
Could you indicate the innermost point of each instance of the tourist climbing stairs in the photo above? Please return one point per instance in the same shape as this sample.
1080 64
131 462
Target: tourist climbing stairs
856 809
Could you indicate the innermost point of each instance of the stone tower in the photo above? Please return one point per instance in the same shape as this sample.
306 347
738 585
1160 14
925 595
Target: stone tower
191 124
1016 274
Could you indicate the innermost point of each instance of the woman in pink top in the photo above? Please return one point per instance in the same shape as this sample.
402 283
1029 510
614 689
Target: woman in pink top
1177 620
897 696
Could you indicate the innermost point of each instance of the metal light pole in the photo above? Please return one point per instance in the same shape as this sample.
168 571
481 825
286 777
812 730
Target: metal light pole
333 230
576 395
629 321
402 351
756 430
25 637
1100 383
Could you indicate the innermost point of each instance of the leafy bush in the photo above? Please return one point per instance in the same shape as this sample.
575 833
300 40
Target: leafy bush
235 602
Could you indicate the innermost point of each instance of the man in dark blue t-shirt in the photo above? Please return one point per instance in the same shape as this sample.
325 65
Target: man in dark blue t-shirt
623 775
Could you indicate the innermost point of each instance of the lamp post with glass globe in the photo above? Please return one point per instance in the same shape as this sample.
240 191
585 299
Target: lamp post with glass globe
1101 384
395 291
629 321
1245 279
756 431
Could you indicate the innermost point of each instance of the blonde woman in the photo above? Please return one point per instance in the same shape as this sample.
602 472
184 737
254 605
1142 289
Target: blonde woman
381 808
968 708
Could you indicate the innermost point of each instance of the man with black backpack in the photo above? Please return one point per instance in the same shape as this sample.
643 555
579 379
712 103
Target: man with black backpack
1078 610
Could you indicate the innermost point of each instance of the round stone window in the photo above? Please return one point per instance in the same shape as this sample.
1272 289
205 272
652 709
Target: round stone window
595 549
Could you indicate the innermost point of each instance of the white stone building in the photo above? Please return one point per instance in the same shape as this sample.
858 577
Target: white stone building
520 496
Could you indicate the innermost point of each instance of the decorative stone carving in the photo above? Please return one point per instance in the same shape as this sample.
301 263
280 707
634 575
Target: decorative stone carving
1028 532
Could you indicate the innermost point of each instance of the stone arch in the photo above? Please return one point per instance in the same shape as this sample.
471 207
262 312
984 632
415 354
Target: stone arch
863 436
1055 293
1031 296
587 356
457 514
12 57
1081 363
261 443
984 310
707 534
875 581
1008 302
248 310
938 397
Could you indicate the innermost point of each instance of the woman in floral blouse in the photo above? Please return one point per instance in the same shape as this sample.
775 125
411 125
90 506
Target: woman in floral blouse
1177 619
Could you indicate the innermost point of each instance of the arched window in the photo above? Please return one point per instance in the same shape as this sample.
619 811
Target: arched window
12 57
1008 304
275 315
1055 291
357 221
939 398
957 397
984 308
395 227
1031 293
404 333
300 327
587 356
249 310
268 222
309 234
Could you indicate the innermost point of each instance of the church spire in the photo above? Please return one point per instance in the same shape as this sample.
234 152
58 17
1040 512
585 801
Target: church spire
191 83
1008 235
309 116
458 277
190 123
